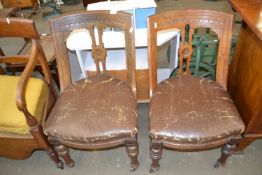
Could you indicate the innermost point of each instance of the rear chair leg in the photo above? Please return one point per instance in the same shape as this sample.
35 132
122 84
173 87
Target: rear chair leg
132 152
156 150
226 151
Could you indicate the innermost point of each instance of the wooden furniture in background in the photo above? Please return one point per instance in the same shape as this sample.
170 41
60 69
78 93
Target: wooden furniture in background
190 113
49 51
5 12
86 2
20 3
99 111
245 72
14 142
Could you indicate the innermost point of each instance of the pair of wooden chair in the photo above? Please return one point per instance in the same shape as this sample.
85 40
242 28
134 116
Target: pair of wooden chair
186 112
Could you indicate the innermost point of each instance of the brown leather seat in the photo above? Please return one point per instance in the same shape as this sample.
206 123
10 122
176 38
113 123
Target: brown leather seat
191 111
186 112
99 111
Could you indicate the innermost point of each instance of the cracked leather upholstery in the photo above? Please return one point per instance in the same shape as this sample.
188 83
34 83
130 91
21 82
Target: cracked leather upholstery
192 111
100 108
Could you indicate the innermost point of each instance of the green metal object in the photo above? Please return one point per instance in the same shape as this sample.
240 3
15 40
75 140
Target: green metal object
55 10
204 56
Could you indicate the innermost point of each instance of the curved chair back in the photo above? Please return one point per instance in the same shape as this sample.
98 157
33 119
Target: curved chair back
219 22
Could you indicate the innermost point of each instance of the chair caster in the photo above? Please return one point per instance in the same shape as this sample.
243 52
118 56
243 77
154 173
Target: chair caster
134 166
219 164
70 164
60 165
154 169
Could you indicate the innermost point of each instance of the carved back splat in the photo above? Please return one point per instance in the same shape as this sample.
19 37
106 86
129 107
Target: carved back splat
63 25
219 22
185 50
98 50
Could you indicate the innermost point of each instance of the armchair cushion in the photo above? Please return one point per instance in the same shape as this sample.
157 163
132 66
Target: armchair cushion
11 119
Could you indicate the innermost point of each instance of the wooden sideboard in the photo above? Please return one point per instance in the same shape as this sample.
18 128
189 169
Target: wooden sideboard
245 71
85 2
19 3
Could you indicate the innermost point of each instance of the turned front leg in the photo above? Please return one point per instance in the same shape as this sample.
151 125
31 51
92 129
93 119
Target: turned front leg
156 150
63 152
132 150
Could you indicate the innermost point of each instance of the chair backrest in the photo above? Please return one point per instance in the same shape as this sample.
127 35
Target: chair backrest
18 27
63 25
24 28
218 22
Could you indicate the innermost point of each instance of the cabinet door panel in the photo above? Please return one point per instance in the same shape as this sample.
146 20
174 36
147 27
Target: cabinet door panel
19 3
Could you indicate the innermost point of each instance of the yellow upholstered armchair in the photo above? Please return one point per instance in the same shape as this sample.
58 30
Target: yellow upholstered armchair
24 101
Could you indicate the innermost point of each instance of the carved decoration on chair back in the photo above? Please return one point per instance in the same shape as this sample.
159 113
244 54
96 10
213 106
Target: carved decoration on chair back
98 49
93 24
208 19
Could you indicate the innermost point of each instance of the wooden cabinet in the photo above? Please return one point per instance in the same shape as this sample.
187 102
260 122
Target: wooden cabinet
19 3
245 83
86 2
245 72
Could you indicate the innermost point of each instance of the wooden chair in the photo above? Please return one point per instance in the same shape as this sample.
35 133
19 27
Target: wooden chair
49 51
25 101
100 111
20 4
189 113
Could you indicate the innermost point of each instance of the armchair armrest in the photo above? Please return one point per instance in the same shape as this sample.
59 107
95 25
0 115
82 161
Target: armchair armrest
21 87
